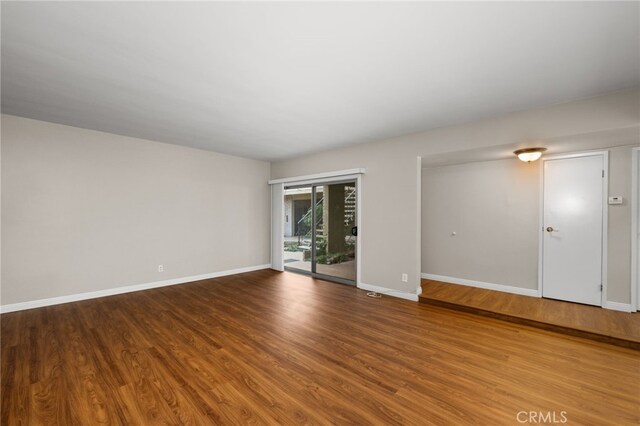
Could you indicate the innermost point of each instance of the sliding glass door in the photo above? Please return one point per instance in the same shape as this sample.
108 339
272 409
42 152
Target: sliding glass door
320 230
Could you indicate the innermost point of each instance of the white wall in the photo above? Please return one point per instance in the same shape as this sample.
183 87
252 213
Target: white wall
84 211
494 208
390 189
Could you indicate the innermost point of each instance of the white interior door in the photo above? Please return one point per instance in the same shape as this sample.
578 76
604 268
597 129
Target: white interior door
573 190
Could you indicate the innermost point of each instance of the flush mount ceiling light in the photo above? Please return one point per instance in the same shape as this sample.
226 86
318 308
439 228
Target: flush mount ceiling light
529 154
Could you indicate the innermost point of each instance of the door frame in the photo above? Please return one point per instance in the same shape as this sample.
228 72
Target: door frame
605 216
635 228
328 177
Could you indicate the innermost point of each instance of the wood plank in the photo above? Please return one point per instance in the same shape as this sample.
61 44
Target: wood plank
278 348
590 322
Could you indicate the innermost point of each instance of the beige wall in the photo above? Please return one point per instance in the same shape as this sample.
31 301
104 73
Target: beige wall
493 206
84 211
619 241
389 221
390 188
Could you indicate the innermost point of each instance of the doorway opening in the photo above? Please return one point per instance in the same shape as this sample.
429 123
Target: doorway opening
320 230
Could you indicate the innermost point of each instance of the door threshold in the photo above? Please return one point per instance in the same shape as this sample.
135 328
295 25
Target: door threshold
321 276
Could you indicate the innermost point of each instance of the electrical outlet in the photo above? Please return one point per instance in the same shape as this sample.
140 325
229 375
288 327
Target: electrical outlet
617 199
160 268
405 278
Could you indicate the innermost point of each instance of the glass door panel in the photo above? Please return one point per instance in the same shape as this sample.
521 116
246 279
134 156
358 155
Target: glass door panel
335 221
297 228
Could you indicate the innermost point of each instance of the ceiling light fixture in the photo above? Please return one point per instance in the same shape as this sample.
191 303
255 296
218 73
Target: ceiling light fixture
529 154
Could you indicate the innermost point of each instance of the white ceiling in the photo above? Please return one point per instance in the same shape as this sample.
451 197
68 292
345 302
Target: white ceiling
277 80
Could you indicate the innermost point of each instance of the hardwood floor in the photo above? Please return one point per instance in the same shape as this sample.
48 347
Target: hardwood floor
268 347
619 328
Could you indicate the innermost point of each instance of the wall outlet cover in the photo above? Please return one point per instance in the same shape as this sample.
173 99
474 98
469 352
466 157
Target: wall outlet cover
616 199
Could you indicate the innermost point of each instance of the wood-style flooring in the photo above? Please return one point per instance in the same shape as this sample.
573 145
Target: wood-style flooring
620 328
279 348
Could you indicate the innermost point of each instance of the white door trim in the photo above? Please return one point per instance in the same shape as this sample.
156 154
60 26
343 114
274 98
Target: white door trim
419 227
635 206
605 216
277 227
359 225
540 225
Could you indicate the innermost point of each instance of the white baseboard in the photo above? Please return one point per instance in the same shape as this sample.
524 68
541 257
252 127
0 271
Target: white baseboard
389 292
119 290
617 306
480 284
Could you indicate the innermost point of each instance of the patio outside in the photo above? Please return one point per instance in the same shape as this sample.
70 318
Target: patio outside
335 211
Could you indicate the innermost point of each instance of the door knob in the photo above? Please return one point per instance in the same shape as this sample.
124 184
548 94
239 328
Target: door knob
550 229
